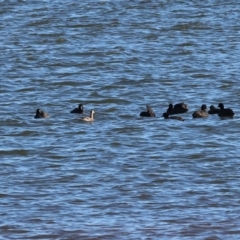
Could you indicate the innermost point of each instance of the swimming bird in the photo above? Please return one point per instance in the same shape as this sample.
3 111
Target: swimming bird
149 112
88 119
213 110
201 113
166 116
225 112
177 108
78 110
41 114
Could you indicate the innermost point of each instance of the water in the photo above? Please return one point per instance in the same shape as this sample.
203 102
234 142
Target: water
122 177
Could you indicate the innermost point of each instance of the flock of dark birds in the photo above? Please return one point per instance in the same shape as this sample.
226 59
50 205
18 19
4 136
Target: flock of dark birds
183 108
172 110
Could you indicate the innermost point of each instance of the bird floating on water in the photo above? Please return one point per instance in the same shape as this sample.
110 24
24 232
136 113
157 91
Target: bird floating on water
166 116
79 109
225 112
202 113
177 108
148 113
213 110
88 119
41 114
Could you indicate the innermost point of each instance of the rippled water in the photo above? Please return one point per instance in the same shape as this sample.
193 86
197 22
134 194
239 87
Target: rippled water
122 177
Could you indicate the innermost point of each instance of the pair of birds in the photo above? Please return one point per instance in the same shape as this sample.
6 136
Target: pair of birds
182 108
176 109
41 114
80 110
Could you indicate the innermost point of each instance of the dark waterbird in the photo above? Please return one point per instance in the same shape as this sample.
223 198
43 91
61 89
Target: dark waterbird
225 112
201 113
166 116
177 108
149 112
213 110
41 114
78 110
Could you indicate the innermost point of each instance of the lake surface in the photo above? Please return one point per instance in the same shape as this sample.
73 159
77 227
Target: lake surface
124 176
